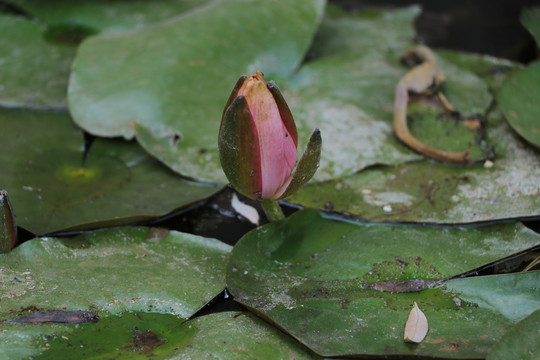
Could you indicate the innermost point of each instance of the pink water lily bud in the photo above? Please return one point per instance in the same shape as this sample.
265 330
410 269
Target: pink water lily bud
258 141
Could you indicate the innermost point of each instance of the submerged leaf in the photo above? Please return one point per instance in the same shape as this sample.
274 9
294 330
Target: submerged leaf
416 327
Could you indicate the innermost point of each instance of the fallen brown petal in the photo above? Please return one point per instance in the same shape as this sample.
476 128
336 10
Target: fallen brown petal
416 327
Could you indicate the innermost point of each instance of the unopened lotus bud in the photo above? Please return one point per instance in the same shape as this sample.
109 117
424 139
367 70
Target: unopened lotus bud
258 142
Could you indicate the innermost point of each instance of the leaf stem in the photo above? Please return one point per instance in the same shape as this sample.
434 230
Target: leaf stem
272 210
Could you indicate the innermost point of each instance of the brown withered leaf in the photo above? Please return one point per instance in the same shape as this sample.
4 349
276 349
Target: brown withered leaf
64 317
416 327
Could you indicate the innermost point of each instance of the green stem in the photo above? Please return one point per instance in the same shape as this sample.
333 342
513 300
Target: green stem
272 210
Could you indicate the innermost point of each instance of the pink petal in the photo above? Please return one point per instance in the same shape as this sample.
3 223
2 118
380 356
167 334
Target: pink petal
277 147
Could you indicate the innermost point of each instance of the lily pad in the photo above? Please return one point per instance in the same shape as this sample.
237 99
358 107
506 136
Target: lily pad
347 288
492 70
519 101
34 72
172 79
520 342
370 30
103 15
53 186
436 127
434 193
351 100
230 335
465 90
113 271
530 18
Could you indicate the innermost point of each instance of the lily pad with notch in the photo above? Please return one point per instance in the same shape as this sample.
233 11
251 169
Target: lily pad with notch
170 84
54 186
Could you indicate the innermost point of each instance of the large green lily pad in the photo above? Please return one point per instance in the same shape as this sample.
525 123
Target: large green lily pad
519 101
338 287
103 15
435 193
113 271
52 188
229 335
34 72
172 79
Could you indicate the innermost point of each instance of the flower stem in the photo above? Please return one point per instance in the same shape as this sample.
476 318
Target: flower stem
272 210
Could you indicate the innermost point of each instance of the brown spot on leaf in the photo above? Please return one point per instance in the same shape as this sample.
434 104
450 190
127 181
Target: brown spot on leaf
147 341
156 234
64 317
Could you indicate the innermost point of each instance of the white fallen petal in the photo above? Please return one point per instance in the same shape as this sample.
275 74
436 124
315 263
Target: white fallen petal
249 212
416 327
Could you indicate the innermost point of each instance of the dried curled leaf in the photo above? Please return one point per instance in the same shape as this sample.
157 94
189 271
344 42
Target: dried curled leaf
416 327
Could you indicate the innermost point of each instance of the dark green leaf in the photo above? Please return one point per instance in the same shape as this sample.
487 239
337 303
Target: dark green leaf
520 342
519 102
530 18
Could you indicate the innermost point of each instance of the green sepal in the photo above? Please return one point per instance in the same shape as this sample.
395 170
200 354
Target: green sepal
308 164
234 93
238 145
8 229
